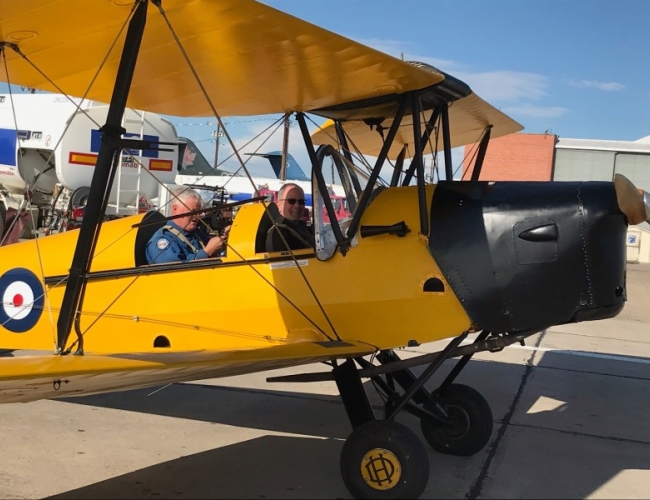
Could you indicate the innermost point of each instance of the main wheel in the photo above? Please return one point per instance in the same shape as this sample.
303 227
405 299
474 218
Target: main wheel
384 459
470 422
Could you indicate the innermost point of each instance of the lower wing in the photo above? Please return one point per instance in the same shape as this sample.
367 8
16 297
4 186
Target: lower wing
29 378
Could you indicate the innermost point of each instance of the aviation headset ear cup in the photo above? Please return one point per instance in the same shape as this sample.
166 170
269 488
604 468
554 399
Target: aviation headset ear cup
396 439
471 422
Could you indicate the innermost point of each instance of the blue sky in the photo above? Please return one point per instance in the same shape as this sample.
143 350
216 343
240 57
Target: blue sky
576 68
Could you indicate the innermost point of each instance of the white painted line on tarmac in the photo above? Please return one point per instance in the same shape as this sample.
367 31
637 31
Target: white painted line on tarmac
585 354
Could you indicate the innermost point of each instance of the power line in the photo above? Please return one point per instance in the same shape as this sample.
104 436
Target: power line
232 122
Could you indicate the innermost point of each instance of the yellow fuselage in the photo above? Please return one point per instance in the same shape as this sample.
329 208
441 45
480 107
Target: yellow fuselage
372 294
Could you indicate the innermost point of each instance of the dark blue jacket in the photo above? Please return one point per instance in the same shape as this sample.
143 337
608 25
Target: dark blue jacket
165 246
297 234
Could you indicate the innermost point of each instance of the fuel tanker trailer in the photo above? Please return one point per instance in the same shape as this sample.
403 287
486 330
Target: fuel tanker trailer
48 149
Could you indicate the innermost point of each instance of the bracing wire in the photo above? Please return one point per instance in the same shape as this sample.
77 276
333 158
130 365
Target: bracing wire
234 148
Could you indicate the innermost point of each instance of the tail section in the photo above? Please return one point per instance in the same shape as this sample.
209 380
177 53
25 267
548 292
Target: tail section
192 161
293 171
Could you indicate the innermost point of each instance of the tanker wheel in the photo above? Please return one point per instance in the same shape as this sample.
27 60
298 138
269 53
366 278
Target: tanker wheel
469 425
384 459
79 197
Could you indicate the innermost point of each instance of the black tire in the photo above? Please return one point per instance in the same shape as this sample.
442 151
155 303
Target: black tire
403 470
79 197
470 426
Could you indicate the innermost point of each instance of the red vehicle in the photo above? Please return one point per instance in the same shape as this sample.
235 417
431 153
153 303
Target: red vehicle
340 208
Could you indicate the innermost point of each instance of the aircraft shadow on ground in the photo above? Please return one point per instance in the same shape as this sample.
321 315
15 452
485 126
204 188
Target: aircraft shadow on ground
589 413
265 407
265 467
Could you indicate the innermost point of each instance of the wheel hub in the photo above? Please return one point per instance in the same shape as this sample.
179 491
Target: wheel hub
457 424
381 469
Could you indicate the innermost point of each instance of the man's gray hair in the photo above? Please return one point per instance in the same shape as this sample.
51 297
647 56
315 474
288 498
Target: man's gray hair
181 194
286 187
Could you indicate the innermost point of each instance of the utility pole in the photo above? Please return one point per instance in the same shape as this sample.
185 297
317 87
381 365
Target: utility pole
217 135
285 148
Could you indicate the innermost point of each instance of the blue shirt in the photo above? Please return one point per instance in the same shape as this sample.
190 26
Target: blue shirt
165 246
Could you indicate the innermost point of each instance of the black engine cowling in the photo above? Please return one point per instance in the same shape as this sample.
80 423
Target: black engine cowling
522 255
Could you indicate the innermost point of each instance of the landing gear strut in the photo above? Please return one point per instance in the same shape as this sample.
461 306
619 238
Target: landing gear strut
383 458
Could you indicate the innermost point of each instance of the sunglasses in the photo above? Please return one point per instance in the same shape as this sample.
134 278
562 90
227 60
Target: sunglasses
293 201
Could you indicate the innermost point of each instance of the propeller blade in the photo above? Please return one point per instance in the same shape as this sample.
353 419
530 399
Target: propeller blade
630 200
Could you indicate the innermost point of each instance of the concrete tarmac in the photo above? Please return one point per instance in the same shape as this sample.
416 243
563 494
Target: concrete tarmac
570 412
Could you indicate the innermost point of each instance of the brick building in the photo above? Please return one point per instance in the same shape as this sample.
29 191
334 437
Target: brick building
521 157
545 157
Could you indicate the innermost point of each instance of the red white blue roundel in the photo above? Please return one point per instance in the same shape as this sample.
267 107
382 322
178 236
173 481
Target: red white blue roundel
22 300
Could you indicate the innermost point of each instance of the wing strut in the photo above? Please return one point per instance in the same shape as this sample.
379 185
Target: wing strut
399 166
320 180
419 163
365 196
482 149
102 180
430 127
446 141
346 153
285 147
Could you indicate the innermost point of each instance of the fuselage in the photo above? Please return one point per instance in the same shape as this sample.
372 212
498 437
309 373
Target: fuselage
374 293
388 291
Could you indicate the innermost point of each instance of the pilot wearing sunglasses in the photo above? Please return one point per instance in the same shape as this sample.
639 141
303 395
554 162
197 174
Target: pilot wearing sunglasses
291 205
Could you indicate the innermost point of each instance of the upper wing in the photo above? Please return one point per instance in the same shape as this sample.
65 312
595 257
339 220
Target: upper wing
251 58
28 378
468 118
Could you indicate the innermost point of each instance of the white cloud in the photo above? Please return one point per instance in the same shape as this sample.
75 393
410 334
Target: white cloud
532 111
493 86
593 84
499 86
507 85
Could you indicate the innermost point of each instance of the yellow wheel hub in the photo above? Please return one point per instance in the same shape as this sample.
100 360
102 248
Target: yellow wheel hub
381 469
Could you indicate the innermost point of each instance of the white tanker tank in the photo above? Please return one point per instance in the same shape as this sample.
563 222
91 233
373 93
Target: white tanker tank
49 143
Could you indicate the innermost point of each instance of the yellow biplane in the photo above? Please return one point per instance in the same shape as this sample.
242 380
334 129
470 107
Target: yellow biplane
419 262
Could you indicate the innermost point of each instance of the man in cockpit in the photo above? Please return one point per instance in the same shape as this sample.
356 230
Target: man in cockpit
183 239
291 205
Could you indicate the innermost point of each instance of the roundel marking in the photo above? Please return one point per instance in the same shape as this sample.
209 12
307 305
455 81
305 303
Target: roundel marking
22 300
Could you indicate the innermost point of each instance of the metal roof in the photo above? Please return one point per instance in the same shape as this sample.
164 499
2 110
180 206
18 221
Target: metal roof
603 145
